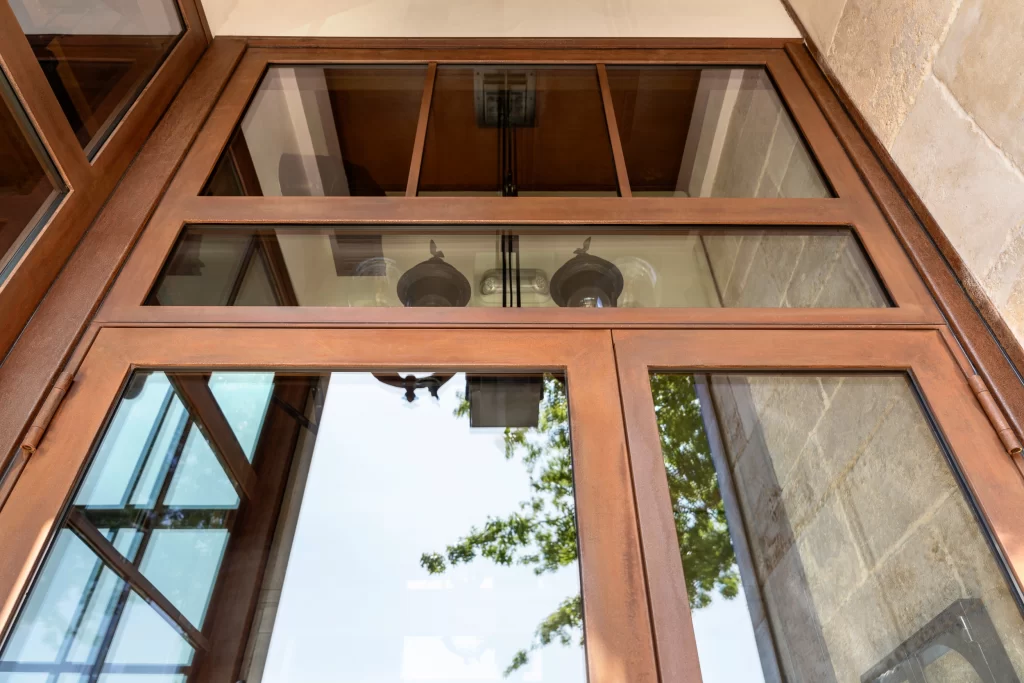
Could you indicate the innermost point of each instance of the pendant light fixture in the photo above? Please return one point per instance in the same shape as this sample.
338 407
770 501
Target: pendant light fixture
586 281
434 283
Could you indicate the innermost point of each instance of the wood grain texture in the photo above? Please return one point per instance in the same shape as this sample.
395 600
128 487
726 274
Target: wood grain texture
421 131
613 133
50 336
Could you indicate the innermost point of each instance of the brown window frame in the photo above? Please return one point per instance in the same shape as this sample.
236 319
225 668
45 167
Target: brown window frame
88 182
852 206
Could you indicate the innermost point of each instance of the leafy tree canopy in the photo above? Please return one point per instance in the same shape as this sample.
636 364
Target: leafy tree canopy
542 533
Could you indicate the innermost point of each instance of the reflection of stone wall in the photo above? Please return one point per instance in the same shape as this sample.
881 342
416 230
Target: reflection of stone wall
827 270
763 155
859 533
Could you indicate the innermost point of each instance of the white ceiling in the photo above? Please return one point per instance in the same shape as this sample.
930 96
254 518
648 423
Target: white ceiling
502 18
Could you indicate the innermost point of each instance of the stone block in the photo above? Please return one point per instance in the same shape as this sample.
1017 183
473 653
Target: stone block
751 129
771 536
749 246
980 573
812 271
1004 281
857 407
829 554
968 185
918 580
820 18
881 52
803 179
851 283
788 419
722 251
982 62
800 643
896 480
861 632
951 667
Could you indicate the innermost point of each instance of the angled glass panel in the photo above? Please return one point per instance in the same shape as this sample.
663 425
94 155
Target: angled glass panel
325 131
709 132
520 267
517 131
430 535
98 56
146 540
65 628
825 536
30 187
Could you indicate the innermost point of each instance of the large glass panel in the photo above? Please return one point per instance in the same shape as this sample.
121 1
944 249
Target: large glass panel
432 536
325 131
709 132
516 131
602 267
822 528
157 496
98 56
30 187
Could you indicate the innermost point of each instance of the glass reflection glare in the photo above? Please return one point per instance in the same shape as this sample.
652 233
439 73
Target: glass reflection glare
418 551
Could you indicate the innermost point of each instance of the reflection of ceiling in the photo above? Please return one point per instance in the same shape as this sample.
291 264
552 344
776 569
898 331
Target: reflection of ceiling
498 18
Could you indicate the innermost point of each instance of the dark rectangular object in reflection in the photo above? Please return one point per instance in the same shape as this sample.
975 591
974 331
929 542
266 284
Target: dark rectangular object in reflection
350 251
504 401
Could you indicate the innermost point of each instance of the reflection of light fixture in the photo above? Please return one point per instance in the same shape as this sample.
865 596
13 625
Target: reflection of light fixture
586 281
532 280
640 282
411 383
374 283
434 283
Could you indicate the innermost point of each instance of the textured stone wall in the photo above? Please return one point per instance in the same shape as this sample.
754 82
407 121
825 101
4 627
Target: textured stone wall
825 271
858 530
941 83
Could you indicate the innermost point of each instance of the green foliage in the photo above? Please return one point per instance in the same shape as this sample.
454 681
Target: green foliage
542 533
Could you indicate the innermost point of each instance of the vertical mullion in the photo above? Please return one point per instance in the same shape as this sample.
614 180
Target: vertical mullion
412 187
613 133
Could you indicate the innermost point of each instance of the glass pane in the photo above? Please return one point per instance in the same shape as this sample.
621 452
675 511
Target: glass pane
30 187
325 131
98 56
523 130
65 626
850 540
715 132
156 491
679 267
431 540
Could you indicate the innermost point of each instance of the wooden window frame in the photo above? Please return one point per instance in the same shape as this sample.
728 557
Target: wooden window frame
992 481
852 206
88 183
618 627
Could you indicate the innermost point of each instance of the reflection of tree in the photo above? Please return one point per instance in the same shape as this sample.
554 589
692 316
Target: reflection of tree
542 533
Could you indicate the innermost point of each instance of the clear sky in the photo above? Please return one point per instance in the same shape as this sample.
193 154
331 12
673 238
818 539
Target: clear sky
390 481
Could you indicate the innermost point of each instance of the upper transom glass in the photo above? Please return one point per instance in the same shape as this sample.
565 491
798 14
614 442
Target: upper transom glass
516 131
716 132
582 266
325 131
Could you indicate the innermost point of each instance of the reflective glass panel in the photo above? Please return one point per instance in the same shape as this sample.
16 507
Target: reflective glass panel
157 496
516 131
825 536
679 267
712 132
325 131
98 56
30 187
431 536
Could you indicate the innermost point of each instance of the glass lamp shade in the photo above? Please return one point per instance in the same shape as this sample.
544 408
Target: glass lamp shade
434 283
587 281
